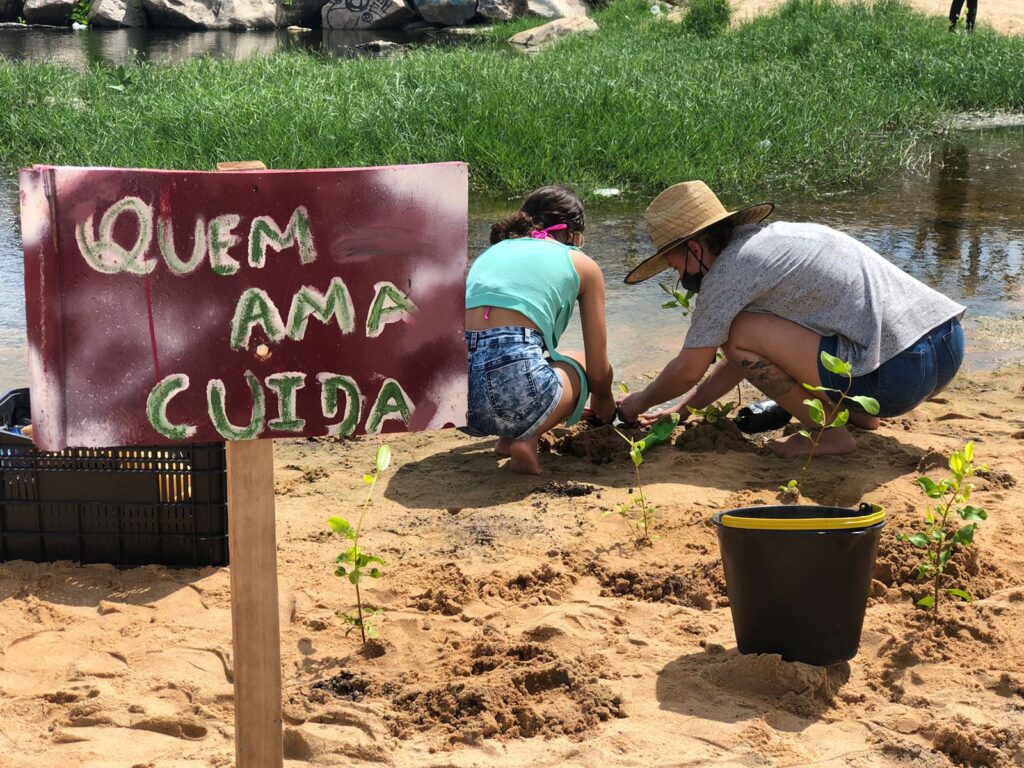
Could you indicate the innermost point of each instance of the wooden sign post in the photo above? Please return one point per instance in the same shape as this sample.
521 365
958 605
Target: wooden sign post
240 305
255 619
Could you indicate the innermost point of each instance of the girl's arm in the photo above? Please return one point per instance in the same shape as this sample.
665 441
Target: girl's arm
595 335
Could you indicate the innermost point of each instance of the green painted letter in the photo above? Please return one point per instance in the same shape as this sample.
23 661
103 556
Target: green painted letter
285 385
392 402
330 385
156 407
219 415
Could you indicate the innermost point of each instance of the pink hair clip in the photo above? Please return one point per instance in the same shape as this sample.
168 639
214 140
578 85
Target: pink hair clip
540 234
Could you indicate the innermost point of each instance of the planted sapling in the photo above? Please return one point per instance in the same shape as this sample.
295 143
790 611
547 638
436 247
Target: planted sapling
354 563
637 513
839 417
679 299
938 542
715 414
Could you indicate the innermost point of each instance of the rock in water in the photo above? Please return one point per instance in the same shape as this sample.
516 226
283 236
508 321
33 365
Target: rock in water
117 13
559 9
502 10
54 12
366 14
449 13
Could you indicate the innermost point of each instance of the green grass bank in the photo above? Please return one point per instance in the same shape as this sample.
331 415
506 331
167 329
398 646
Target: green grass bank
815 96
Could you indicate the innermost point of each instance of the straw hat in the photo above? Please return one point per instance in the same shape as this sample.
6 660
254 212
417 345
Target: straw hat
679 213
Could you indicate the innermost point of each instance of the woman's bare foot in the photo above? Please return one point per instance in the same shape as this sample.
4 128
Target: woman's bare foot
503 446
864 420
524 457
834 442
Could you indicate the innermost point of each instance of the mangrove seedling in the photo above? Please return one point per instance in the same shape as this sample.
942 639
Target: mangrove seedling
939 542
790 492
354 563
816 409
637 513
715 414
679 298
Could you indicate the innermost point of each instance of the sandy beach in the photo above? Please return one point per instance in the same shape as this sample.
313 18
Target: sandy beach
1006 16
522 627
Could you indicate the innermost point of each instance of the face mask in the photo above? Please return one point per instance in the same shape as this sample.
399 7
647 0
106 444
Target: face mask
692 282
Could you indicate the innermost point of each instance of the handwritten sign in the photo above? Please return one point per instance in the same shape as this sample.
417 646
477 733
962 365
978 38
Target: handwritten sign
190 306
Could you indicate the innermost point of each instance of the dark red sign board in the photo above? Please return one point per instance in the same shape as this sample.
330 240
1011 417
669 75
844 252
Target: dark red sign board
168 306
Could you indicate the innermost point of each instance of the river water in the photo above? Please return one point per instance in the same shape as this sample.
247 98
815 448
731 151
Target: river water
83 48
957 224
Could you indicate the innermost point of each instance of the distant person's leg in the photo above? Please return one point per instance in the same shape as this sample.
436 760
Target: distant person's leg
972 11
954 12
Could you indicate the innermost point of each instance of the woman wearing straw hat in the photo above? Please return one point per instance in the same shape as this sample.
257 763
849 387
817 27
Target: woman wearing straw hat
774 296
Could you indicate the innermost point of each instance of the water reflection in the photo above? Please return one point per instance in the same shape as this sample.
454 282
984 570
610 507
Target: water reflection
83 48
957 226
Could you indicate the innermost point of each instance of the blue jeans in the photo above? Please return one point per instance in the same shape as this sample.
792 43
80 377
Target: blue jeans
513 390
905 381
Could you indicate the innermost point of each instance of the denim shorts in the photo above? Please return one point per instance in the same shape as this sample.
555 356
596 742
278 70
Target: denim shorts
905 381
513 389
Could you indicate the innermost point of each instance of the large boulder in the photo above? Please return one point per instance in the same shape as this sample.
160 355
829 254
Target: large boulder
212 14
448 13
55 12
300 13
366 14
532 39
502 10
559 9
117 13
10 10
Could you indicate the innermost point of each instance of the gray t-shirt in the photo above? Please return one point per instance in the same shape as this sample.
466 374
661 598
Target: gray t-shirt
823 280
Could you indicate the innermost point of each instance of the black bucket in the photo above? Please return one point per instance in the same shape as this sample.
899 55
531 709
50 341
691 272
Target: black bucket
798 578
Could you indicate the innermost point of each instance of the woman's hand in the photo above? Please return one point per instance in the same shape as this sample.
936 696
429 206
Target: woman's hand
631 408
602 404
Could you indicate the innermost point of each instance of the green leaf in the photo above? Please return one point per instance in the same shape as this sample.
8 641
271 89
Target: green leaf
956 464
965 535
945 556
969 451
374 559
340 571
835 365
383 457
368 479
636 455
816 411
973 513
376 573
965 596
339 524
371 632
869 404
932 489
927 602
919 540
623 388
840 420
354 577
809 388
670 305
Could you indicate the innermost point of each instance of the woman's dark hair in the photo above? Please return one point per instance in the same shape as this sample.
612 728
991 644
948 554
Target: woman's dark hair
717 236
542 208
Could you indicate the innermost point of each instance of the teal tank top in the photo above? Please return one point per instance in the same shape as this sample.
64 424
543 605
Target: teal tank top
538 279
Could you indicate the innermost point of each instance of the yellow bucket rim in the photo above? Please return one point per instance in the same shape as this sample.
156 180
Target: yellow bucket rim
805 523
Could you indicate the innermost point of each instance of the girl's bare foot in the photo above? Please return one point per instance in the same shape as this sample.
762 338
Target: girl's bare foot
503 446
834 442
524 457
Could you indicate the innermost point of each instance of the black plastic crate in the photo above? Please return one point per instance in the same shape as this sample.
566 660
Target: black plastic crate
142 505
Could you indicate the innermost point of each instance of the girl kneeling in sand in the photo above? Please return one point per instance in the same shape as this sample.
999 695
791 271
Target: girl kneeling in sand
774 297
520 294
